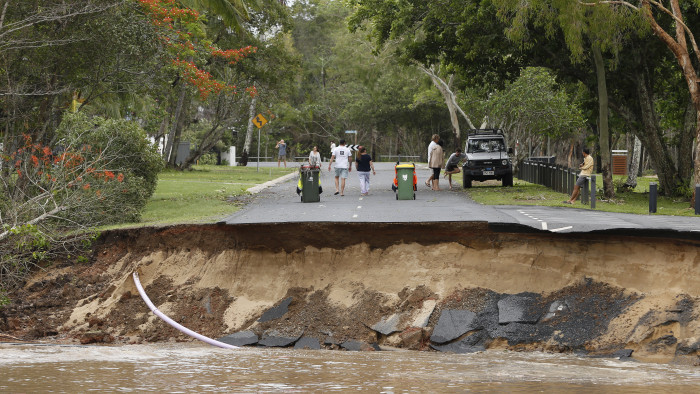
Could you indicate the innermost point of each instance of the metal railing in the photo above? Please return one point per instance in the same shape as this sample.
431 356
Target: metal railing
558 178
399 157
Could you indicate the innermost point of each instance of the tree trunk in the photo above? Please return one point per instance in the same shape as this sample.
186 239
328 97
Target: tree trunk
179 126
168 152
679 48
251 126
603 129
450 101
685 146
633 169
207 143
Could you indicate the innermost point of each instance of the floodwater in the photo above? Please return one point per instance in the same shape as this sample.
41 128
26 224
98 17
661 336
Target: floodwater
201 368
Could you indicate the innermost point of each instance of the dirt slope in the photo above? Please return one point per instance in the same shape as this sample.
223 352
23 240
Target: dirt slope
624 292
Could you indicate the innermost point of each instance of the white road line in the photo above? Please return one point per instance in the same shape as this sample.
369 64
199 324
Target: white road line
554 230
354 216
544 225
359 207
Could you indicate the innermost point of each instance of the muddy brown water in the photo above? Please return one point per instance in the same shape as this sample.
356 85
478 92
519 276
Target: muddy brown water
199 368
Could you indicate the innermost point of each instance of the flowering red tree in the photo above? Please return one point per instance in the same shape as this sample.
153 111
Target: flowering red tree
53 197
181 32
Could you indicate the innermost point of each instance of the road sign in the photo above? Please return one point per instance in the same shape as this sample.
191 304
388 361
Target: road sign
354 147
350 131
259 121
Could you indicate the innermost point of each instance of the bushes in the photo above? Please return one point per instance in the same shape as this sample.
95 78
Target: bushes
53 197
129 152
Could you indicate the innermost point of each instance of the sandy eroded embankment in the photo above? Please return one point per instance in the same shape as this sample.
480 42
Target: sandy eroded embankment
613 292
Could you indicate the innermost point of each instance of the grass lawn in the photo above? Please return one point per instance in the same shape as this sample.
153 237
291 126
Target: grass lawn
525 193
200 195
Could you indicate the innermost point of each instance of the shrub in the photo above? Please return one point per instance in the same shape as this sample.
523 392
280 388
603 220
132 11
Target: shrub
130 153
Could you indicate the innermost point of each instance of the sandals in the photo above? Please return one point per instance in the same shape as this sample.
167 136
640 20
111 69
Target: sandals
567 202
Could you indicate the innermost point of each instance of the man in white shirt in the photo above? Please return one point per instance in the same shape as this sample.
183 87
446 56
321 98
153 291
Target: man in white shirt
342 156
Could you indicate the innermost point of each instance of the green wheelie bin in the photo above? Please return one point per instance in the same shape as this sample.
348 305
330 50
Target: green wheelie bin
309 183
405 181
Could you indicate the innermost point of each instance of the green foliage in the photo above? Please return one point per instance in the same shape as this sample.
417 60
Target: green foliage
535 103
25 247
131 154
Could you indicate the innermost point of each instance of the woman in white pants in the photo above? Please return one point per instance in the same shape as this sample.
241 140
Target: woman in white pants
364 164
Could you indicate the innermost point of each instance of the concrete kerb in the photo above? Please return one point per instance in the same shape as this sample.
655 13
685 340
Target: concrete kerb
258 188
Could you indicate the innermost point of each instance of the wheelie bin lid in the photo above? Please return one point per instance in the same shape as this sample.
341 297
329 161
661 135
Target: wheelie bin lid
405 166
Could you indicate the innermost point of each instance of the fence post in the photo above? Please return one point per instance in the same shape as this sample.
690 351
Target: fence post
593 190
697 199
652 197
560 183
585 192
572 181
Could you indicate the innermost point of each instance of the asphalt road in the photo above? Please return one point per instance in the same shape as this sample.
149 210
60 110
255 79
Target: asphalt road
280 203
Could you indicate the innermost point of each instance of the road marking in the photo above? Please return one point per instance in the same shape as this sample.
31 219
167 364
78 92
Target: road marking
554 230
544 225
354 216
359 207
360 198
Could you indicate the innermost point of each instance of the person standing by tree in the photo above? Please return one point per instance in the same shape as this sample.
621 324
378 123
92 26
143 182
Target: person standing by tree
586 171
342 156
364 164
282 153
433 142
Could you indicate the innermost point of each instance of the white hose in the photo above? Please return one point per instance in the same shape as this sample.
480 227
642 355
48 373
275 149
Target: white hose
172 322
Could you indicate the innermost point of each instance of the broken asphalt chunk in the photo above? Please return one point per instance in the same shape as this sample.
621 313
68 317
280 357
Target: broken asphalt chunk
453 323
308 343
277 311
241 338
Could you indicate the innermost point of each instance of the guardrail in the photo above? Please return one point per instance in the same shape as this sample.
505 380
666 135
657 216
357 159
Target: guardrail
399 157
558 178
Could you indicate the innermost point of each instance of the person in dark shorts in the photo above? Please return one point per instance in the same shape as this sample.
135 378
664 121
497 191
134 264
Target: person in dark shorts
437 159
452 165
282 153
586 171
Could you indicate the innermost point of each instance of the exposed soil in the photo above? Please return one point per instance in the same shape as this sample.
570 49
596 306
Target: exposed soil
621 292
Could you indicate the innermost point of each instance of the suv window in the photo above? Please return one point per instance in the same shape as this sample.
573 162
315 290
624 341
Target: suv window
485 145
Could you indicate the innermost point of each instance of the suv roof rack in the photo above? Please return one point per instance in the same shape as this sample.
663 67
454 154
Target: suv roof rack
484 131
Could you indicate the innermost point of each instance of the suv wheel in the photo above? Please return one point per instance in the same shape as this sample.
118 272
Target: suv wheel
467 180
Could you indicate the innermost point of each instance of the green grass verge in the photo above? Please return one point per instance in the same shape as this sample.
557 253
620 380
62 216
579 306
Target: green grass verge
525 193
200 195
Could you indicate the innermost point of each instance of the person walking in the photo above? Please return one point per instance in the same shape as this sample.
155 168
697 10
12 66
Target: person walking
452 165
282 153
586 171
437 159
342 156
314 158
364 164
433 142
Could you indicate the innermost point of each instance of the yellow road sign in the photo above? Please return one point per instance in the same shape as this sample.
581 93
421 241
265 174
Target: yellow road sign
259 121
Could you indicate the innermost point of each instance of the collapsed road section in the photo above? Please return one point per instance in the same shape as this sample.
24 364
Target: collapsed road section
453 287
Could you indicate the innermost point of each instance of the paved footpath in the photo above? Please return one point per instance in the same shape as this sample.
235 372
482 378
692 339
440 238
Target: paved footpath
280 203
